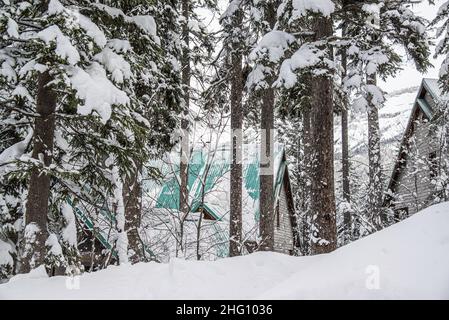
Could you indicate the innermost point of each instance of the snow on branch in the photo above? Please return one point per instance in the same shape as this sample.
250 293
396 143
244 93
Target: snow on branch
302 7
64 47
97 91
145 22
307 56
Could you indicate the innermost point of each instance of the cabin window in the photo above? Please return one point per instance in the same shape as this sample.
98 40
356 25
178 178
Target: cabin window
400 214
433 165
206 214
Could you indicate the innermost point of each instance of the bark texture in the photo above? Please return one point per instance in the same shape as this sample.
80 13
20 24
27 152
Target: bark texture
322 120
267 156
235 227
345 151
185 148
133 214
184 207
39 186
305 181
375 192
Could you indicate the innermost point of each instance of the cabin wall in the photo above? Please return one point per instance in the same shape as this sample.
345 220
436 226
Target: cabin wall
283 231
414 187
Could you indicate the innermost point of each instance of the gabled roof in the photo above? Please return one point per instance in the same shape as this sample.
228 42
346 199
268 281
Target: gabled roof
213 168
432 87
101 229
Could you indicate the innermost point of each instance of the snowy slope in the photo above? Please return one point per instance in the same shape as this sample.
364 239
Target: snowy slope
393 118
407 260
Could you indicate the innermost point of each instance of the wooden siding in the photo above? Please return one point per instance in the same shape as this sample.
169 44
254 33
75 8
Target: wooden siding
414 187
283 231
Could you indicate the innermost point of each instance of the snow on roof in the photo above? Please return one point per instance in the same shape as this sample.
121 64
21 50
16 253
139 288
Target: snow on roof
209 179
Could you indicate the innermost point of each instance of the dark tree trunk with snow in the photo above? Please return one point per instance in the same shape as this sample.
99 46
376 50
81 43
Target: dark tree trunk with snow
133 213
235 231
345 174
305 180
324 230
375 192
266 175
345 150
444 166
267 156
36 214
185 139
185 148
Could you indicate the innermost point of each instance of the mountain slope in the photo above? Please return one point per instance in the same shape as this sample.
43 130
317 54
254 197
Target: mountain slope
393 118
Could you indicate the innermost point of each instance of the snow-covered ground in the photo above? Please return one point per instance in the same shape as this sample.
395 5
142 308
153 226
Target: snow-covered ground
409 260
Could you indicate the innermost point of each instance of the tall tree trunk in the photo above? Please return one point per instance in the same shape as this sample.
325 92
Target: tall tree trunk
266 174
200 220
299 183
39 188
322 121
345 151
443 166
133 214
375 194
185 139
235 228
185 143
306 182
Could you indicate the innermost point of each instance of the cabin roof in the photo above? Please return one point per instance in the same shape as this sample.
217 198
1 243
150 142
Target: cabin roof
432 87
209 181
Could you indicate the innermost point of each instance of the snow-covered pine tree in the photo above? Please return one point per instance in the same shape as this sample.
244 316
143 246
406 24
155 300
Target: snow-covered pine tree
243 23
324 233
293 108
185 138
265 58
43 53
155 94
266 172
97 77
315 56
233 42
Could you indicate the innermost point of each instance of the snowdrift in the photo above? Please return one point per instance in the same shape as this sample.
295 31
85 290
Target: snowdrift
409 260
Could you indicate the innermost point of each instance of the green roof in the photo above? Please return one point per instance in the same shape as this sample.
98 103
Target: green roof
212 168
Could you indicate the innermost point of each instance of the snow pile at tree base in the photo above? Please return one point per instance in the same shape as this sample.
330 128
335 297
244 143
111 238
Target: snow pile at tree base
409 260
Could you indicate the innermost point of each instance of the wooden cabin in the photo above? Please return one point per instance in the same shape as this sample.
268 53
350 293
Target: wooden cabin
209 198
412 184
208 183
